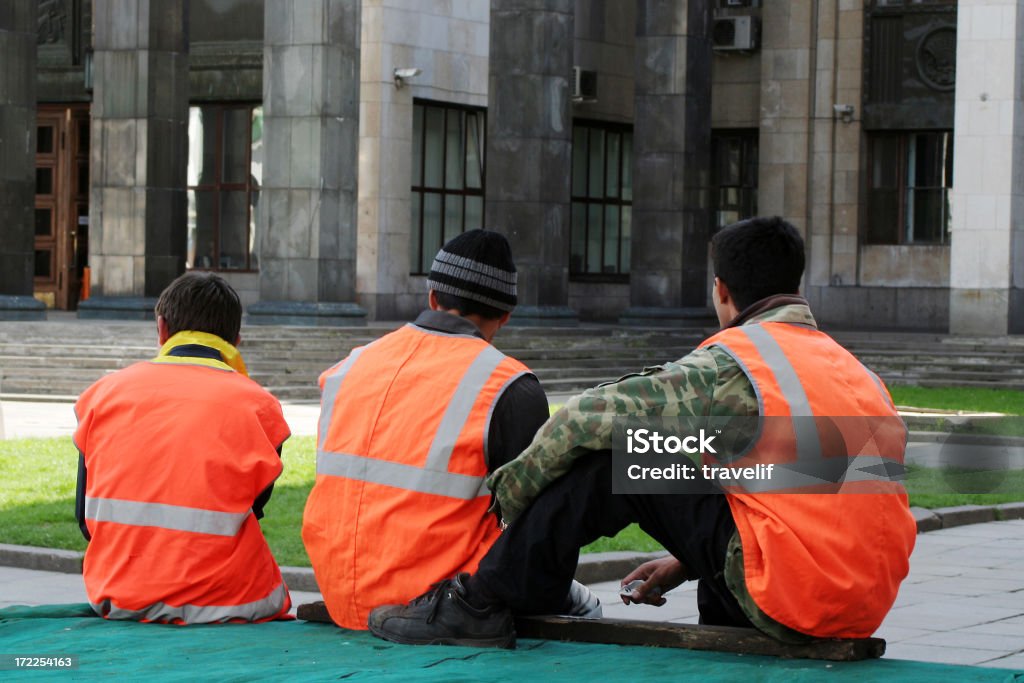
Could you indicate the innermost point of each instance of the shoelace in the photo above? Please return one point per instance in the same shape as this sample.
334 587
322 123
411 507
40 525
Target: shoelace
433 595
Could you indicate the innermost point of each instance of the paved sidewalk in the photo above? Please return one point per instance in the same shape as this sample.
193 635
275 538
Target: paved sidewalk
23 419
963 602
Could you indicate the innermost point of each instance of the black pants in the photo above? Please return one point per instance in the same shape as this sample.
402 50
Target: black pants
533 562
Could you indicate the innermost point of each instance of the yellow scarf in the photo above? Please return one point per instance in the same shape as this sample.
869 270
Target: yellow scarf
232 358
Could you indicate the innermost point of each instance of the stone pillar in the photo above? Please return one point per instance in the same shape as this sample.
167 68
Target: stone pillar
671 158
834 198
18 21
529 150
987 264
787 79
137 204
307 226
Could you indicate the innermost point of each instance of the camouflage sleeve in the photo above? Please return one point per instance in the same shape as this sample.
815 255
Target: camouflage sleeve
584 424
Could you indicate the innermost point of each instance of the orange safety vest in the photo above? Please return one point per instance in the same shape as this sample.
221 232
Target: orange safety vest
400 500
825 564
176 451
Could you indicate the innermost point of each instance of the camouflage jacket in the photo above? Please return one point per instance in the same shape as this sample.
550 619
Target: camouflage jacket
705 382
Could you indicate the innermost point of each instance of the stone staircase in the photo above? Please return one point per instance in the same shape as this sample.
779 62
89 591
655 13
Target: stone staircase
61 358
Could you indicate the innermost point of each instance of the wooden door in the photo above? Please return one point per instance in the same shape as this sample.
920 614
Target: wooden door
62 203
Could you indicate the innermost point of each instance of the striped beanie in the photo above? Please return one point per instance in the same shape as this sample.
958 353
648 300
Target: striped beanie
476 265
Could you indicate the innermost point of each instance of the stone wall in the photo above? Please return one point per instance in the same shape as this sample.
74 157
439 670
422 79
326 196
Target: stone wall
448 41
988 194
604 43
17 159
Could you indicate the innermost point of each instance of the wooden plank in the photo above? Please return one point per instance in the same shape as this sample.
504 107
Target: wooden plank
693 637
662 634
314 611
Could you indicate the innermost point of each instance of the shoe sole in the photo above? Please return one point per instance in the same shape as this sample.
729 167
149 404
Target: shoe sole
504 642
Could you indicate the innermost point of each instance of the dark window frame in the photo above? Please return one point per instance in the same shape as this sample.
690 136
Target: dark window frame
898 233
747 188
418 249
622 266
218 188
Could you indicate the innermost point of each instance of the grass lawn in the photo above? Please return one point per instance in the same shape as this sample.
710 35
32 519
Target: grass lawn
38 486
975 399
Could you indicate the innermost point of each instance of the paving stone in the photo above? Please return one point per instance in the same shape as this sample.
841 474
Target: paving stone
1008 511
964 514
926 519
941 655
970 641
1015 661
895 634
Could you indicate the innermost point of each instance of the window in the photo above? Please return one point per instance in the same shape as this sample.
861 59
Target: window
447 177
602 200
908 191
733 176
225 169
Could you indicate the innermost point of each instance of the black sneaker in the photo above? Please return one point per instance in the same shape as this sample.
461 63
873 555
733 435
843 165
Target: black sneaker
442 616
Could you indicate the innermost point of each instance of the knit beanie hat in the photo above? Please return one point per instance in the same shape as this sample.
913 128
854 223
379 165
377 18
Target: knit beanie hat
476 265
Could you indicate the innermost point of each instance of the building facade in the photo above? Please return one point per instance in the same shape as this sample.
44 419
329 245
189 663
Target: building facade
317 152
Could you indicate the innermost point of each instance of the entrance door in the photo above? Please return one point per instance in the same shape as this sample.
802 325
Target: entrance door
62 203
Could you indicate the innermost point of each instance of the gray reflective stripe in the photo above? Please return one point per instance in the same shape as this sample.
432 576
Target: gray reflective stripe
808 446
399 475
176 517
828 471
460 406
263 608
882 391
330 393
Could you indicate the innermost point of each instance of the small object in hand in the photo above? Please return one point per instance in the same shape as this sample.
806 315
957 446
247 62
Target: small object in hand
628 589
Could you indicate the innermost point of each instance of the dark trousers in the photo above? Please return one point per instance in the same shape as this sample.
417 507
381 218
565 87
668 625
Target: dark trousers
532 564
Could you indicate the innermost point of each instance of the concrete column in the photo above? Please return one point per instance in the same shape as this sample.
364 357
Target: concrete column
787 81
836 57
139 138
529 149
987 264
671 155
17 160
307 227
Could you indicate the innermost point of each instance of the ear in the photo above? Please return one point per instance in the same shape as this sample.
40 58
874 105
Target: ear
724 296
238 340
432 301
162 333
503 320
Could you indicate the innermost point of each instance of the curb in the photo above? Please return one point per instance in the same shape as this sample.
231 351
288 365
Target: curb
592 568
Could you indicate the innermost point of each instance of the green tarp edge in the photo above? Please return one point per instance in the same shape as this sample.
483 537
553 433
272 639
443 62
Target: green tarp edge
301 651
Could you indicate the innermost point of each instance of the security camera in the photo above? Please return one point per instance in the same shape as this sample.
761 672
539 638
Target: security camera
402 74
844 112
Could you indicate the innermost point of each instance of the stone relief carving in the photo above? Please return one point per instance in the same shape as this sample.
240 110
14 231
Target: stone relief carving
53 20
936 58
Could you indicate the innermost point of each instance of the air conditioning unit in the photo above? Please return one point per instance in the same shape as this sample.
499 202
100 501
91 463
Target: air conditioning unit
584 85
734 33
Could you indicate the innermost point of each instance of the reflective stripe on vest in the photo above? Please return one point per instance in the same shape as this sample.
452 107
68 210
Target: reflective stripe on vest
811 469
831 472
199 614
433 477
164 516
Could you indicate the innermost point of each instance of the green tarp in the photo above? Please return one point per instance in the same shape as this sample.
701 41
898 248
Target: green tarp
300 651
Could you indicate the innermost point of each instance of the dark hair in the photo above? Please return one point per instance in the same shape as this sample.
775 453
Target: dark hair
467 306
757 258
202 302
